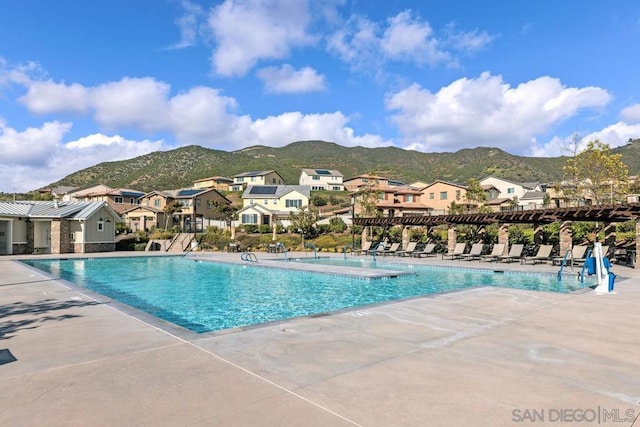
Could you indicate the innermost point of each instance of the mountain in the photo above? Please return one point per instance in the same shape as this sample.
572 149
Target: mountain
178 168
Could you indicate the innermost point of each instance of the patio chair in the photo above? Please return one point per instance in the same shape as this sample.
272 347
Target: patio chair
515 253
411 248
474 253
378 249
496 251
365 248
391 250
577 256
429 250
458 250
543 255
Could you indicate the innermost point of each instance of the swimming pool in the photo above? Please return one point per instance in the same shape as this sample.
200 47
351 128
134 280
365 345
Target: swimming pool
211 296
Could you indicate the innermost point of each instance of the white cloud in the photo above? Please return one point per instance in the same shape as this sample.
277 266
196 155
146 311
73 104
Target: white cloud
631 114
188 24
410 39
139 102
37 157
287 79
487 112
366 45
280 130
33 146
45 97
247 31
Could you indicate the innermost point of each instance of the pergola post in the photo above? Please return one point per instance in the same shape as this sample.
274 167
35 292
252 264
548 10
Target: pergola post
481 232
452 238
610 236
405 237
635 261
566 237
503 237
364 235
538 234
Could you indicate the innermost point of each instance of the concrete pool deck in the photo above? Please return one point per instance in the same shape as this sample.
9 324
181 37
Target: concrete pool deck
482 357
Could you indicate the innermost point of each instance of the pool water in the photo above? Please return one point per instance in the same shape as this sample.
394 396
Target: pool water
210 296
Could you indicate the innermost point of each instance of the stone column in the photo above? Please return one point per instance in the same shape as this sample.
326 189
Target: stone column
503 237
30 237
364 235
452 238
60 236
538 234
610 236
405 237
481 232
635 261
566 234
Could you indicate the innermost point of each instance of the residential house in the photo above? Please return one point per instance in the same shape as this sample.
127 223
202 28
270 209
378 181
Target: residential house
241 181
56 227
199 204
272 204
120 199
440 194
219 183
365 181
389 201
322 179
509 189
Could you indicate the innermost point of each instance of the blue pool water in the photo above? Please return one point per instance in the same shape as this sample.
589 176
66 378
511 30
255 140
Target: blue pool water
209 296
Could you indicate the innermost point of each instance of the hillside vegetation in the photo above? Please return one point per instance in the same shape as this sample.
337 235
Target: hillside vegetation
178 168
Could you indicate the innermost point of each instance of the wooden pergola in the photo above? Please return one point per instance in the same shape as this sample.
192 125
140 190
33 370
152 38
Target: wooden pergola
608 214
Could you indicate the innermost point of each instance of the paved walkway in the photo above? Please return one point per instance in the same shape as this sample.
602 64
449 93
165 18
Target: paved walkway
481 357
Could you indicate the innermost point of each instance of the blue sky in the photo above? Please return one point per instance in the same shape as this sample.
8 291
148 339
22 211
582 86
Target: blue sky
86 82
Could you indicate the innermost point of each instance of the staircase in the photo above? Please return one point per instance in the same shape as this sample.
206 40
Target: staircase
180 243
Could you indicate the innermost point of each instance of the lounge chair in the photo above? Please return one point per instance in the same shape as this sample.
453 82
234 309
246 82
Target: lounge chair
515 253
378 249
577 256
411 248
365 248
543 255
474 253
496 251
458 250
429 250
391 250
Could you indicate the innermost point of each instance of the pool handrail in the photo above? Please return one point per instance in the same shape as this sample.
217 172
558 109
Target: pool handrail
312 246
281 245
375 250
249 257
348 245
584 267
562 264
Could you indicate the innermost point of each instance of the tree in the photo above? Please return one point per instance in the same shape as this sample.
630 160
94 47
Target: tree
596 174
170 210
475 193
304 221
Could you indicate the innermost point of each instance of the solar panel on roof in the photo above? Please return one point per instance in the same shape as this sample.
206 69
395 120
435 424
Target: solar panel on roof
323 172
188 192
263 189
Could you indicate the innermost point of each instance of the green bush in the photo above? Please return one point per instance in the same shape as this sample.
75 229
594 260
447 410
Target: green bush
250 228
337 225
318 200
265 228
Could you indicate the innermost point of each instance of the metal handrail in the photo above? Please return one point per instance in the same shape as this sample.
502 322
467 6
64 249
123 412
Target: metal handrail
249 257
312 246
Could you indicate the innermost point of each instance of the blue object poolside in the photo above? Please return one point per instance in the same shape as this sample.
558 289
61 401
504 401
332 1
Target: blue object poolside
210 296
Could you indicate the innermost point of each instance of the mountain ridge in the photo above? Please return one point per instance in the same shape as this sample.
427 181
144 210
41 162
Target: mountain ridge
181 166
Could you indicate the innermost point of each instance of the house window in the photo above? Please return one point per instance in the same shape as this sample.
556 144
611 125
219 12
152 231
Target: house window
432 196
315 178
240 179
72 237
249 218
457 194
317 187
273 180
250 201
118 200
511 190
156 203
132 201
443 195
410 198
293 203
100 226
336 188
365 179
253 179
266 201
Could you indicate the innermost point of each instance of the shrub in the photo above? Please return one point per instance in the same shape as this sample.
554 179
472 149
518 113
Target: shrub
318 200
250 228
264 228
337 225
